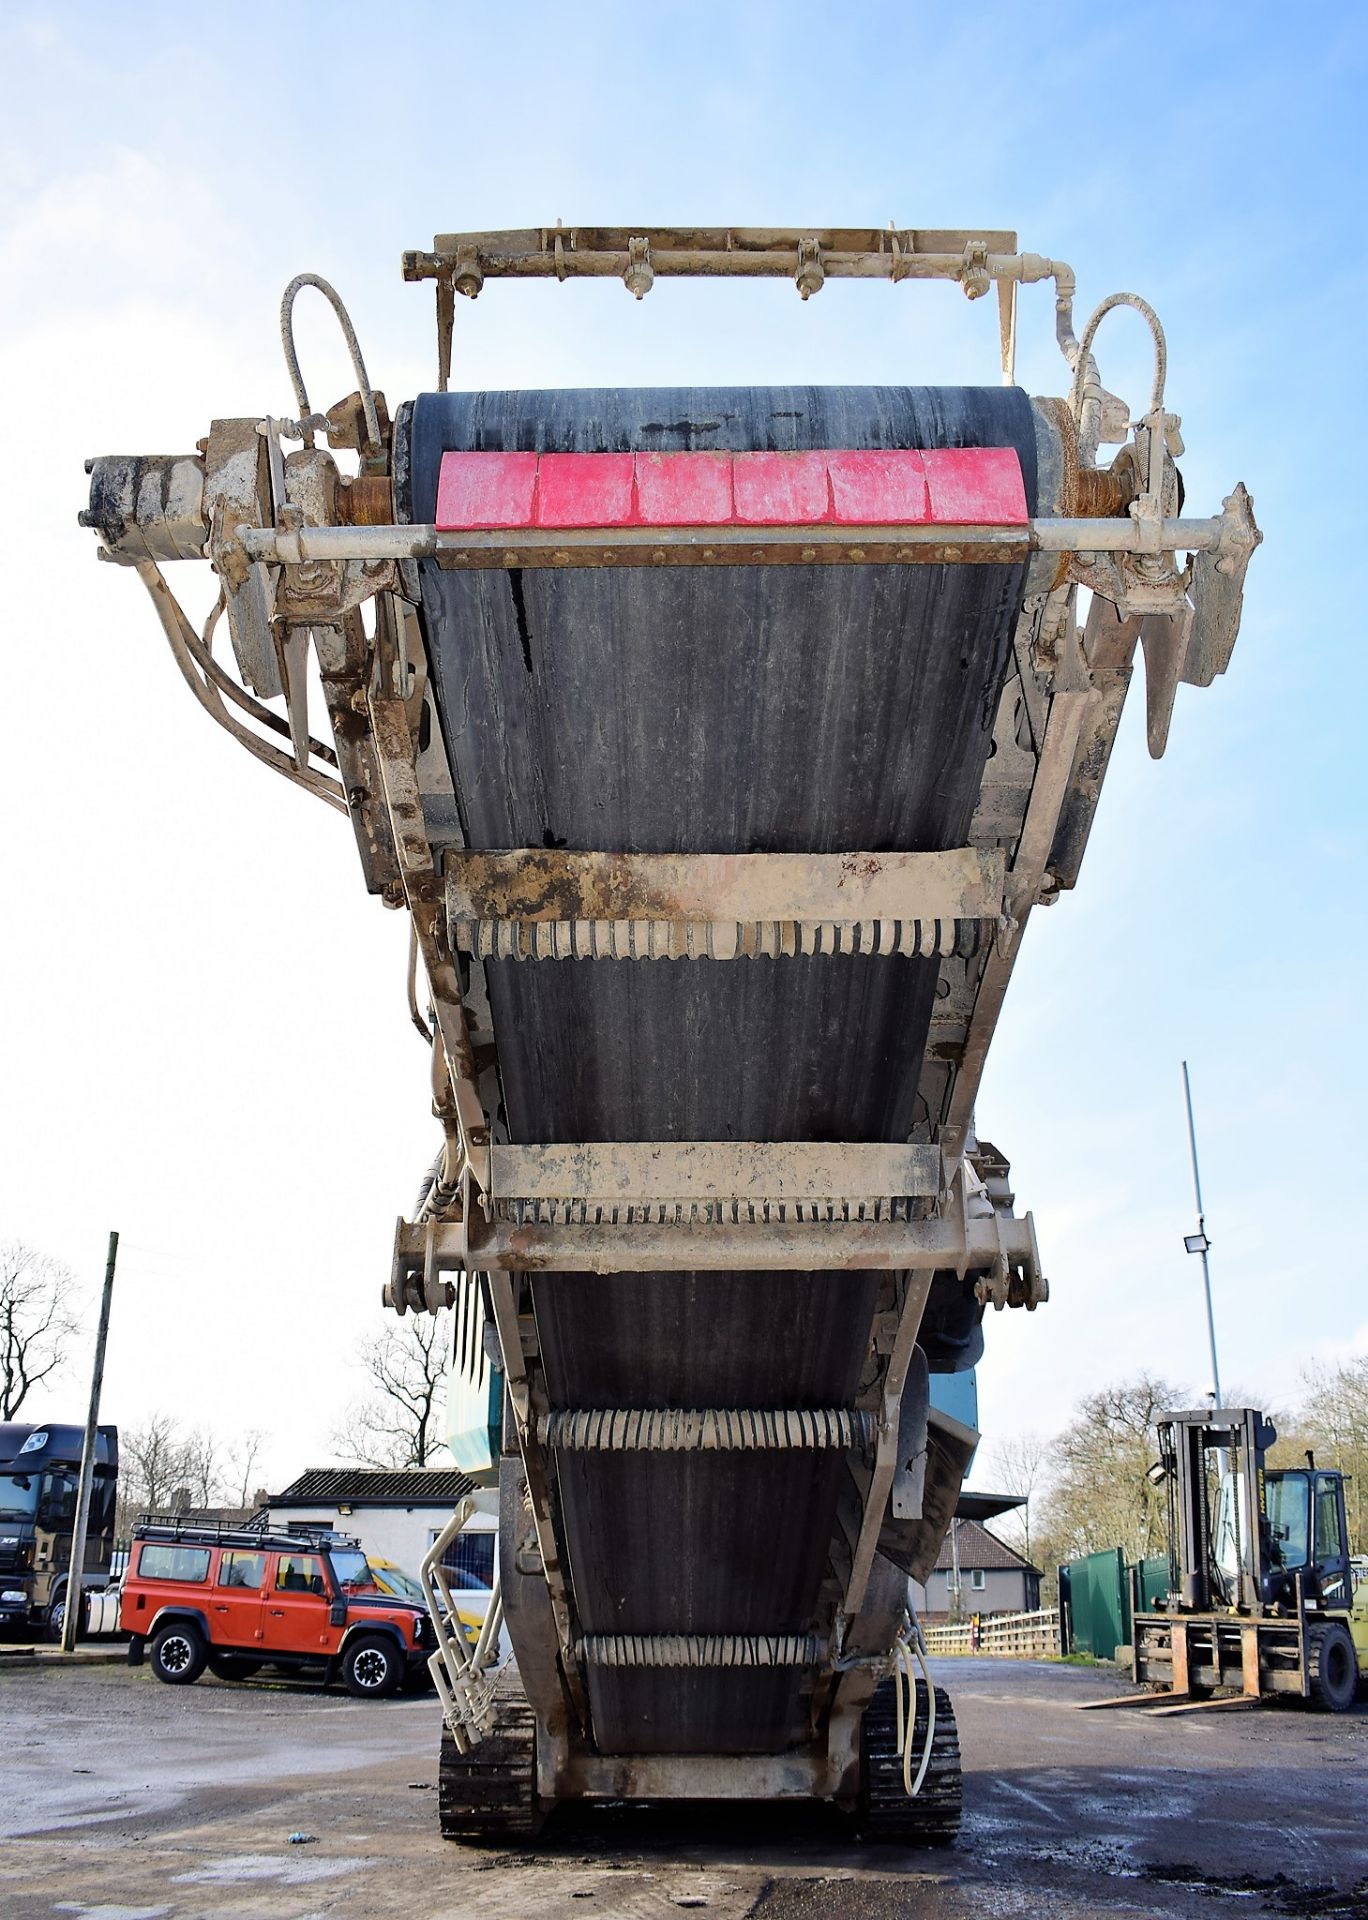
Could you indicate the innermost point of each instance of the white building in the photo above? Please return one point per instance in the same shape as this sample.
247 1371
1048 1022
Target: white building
395 1515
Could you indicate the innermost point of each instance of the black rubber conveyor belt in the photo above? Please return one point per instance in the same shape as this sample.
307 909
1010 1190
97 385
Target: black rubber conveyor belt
782 708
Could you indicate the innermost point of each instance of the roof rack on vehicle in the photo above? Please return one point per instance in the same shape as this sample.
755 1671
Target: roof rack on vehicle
254 1533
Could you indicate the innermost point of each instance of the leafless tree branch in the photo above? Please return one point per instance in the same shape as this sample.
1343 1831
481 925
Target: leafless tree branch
37 1322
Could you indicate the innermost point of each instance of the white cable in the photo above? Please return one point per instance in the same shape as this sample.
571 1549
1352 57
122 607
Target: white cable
905 1675
907 1671
920 1652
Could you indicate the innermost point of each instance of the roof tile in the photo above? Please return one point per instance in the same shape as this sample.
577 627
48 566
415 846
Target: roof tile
375 1486
979 1548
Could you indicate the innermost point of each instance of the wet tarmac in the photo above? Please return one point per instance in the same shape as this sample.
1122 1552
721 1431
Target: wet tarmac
125 1800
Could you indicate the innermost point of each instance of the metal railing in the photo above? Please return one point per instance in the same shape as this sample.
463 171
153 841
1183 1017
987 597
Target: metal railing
462 1674
1001 1636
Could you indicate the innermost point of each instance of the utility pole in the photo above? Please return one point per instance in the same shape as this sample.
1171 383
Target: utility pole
1198 1242
75 1588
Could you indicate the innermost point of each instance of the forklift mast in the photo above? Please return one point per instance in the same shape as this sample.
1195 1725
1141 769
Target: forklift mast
1216 1559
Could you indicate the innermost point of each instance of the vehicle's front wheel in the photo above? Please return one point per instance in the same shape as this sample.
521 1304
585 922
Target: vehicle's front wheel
178 1653
372 1667
1334 1668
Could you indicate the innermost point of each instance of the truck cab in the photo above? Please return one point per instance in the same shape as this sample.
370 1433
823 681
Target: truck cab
39 1469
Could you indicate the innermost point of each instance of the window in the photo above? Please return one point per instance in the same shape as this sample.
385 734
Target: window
157 1562
1287 1518
978 1579
242 1570
469 1560
18 1496
300 1573
1329 1539
351 1569
57 1504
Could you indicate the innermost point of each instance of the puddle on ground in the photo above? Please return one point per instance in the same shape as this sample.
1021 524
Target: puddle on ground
109 1911
295 1871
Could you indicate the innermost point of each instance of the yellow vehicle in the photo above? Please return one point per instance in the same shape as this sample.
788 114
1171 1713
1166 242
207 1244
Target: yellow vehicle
1358 1614
392 1579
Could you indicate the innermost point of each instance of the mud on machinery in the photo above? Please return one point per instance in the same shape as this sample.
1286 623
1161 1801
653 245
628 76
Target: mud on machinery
720 744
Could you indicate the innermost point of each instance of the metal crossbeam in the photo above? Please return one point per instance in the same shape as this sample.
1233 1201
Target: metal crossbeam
731 546
536 904
846 1244
649 1172
705 1429
536 883
732 253
701 1649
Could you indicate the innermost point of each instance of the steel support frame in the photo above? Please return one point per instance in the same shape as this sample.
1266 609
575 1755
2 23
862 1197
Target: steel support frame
821 1771
532 885
1068 712
916 1291
732 546
475 1244
396 755
976 258
624 1171
529 1407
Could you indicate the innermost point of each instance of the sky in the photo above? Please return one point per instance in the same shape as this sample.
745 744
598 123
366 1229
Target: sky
203 1035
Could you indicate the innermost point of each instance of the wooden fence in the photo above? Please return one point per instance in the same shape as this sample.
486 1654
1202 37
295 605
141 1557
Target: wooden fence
1002 1636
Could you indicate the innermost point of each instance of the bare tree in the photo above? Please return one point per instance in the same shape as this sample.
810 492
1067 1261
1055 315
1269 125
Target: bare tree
163 1468
240 1468
1099 1493
202 1467
1019 1466
1334 1421
152 1468
37 1325
398 1421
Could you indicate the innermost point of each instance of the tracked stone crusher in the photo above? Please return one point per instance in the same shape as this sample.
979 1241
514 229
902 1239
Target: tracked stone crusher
720 743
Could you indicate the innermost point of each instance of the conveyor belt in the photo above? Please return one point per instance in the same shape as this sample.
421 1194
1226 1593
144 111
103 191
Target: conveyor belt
771 709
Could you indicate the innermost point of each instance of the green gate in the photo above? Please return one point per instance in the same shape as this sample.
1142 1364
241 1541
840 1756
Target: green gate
1095 1600
1152 1582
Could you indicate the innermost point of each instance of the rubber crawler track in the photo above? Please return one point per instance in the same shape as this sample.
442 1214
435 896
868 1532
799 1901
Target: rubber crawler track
886 1813
490 1792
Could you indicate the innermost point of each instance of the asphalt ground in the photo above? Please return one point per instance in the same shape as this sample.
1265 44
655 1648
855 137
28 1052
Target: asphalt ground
127 1800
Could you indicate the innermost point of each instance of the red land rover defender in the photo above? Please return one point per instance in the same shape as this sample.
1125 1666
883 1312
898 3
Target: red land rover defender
198 1597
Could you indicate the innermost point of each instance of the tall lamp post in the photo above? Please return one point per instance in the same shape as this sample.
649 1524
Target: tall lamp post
1198 1242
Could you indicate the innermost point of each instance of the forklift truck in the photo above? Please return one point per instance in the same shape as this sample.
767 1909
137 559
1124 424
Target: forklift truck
1261 1593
